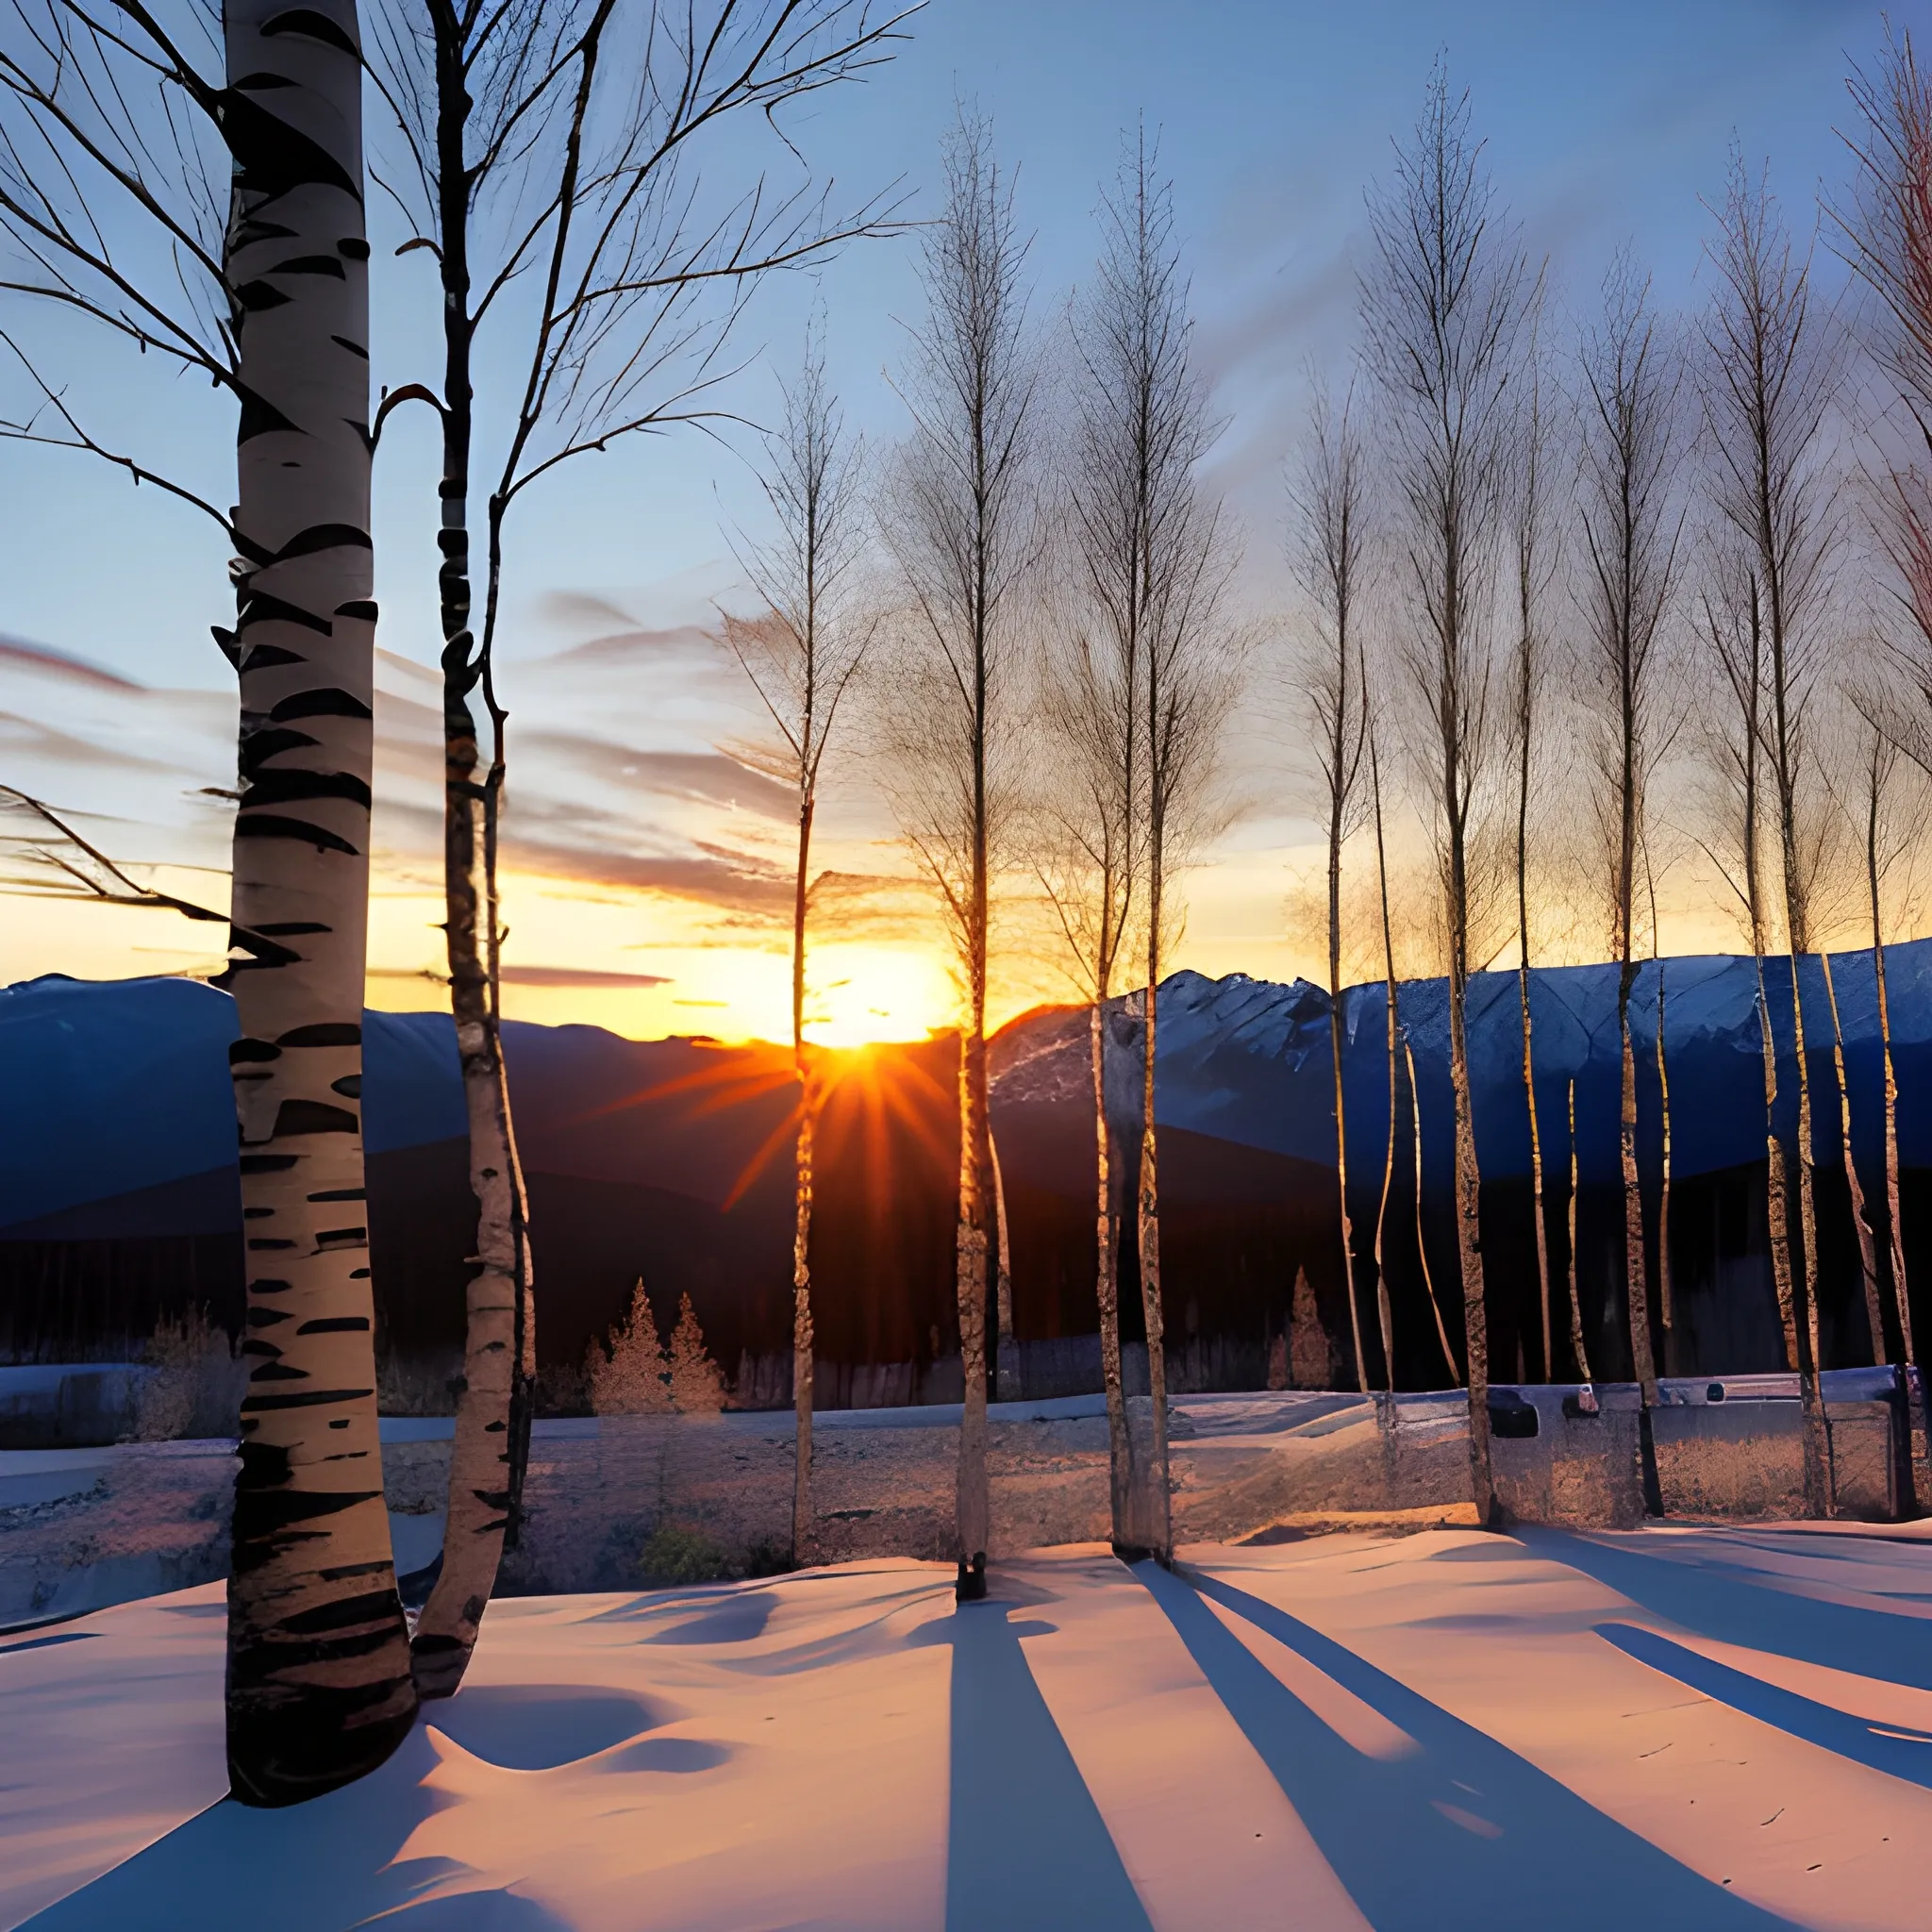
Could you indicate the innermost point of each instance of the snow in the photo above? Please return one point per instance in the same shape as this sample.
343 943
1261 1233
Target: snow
1666 1728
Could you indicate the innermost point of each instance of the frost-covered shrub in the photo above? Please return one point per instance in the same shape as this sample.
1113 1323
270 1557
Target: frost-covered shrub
676 1554
195 1384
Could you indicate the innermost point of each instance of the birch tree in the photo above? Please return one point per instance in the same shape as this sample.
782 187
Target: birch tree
961 528
801 653
1733 621
1535 565
1328 547
1443 302
1154 560
103 125
1087 868
542 147
1632 526
1768 383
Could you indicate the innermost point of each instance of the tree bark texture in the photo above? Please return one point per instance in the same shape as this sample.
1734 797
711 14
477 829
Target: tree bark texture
1422 1246
1665 1311
1809 1365
1576 1343
802 1532
1469 1243
1861 1220
481 1455
1636 1274
1777 1215
318 1672
1006 1373
1119 1461
1157 1521
1536 1170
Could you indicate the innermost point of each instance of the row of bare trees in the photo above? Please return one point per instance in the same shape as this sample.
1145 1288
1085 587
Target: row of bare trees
1682 559
196 186
1048 664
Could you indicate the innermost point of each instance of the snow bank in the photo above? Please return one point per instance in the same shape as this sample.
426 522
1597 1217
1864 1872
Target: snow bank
1670 1728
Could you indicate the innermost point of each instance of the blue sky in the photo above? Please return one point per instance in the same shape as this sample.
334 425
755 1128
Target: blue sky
1604 125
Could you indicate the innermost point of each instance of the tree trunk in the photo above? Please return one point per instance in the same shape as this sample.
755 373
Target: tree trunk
1810 1364
1347 1223
1867 1252
803 1533
1384 1309
1536 1172
1158 1528
317 1669
1107 1287
974 1505
1006 1356
1469 1244
1636 1278
1900 1282
1576 1343
1778 1216
1663 1211
499 1341
1422 1246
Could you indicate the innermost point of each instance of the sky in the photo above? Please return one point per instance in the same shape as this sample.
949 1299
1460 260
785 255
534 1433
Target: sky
647 881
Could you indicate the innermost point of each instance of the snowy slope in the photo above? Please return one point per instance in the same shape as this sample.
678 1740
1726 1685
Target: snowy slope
1667 1728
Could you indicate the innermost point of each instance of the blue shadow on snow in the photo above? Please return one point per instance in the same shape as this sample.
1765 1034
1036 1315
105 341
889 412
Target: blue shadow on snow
1461 1832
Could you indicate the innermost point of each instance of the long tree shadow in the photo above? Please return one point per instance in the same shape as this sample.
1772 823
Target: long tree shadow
312 1868
1725 1605
1460 1832
1899 1750
1026 1846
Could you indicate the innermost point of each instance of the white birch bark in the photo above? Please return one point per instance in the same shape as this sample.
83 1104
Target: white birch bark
319 1689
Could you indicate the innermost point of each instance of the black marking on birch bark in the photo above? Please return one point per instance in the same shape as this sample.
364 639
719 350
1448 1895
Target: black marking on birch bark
325 1033
360 606
270 1287
266 744
257 297
354 348
271 158
313 1117
347 1573
267 1317
327 703
257 418
310 265
281 785
263 607
342 1194
266 657
241 1049
349 1086
320 537
263 82
229 644
358 1275
336 1324
254 229
356 249
257 1214
267 1163
311 25
344 1615
291 929
267 826
266 1403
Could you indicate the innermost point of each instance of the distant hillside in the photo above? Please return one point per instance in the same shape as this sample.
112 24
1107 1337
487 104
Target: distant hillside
670 1159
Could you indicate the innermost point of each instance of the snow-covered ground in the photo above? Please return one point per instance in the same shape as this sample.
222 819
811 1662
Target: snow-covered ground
1669 1727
